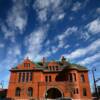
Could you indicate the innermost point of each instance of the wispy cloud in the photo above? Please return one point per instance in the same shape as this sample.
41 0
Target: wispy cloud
76 6
81 52
90 59
34 43
79 5
11 58
2 45
94 26
60 38
16 20
98 10
51 10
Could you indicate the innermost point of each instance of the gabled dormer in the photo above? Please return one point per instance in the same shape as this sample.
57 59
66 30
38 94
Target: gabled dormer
53 66
26 64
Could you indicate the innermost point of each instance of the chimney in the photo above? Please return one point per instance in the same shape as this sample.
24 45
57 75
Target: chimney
43 61
63 60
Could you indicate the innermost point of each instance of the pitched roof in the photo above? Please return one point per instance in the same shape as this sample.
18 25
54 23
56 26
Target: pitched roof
60 64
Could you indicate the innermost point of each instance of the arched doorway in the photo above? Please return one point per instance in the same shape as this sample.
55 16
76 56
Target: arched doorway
53 93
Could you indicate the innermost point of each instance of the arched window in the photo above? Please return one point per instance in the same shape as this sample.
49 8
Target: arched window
30 91
82 78
17 91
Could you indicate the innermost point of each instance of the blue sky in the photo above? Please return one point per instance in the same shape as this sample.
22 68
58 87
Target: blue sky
49 28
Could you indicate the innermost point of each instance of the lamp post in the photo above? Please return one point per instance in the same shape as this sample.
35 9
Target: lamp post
94 69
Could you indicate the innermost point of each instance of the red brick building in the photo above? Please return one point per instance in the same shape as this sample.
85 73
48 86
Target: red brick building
48 80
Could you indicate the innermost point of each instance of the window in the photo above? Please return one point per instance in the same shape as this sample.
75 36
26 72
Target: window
56 67
74 91
31 76
84 92
23 77
30 91
17 91
26 64
70 77
50 68
74 76
82 78
27 75
53 68
77 91
19 77
48 78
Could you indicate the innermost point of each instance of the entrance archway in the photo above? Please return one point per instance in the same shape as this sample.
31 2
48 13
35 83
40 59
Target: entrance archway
53 93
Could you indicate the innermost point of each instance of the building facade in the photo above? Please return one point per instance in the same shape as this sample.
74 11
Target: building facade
48 80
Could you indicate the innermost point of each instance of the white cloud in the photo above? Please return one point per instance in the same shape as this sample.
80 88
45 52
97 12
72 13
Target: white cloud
61 16
60 38
90 59
94 26
60 44
11 58
54 49
71 18
92 48
17 17
76 6
67 32
47 53
42 15
50 9
66 46
84 35
15 50
47 43
8 33
34 43
98 10
2 45
16 20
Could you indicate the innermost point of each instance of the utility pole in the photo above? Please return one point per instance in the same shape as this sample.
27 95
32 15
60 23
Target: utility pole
93 69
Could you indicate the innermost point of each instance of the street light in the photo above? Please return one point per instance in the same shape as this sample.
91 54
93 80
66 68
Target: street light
94 69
